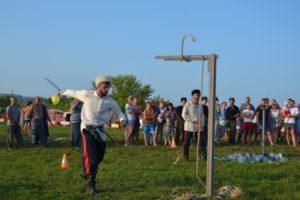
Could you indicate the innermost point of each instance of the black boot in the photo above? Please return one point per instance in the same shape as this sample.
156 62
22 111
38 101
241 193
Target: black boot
91 185
84 175
186 152
186 156
203 156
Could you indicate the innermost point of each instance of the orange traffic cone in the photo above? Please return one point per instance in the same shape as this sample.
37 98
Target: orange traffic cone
173 145
64 162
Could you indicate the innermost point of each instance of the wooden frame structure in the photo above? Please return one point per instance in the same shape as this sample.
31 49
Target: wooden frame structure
212 62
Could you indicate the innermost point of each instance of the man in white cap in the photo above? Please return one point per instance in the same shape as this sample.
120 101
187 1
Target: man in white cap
96 111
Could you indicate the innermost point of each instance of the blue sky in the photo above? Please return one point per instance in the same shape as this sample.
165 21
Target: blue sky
71 42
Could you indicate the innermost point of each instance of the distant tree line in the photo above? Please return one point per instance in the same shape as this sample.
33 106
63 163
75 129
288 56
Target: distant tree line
4 101
123 87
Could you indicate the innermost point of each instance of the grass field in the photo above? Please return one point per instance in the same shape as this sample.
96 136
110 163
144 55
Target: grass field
138 172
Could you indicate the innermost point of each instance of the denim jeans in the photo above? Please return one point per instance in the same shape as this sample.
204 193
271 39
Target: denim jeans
76 133
38 132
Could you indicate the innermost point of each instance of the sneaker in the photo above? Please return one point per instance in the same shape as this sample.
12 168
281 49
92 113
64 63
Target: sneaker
203 156
83 176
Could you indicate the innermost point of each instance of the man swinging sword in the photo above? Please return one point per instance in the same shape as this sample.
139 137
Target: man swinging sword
96 111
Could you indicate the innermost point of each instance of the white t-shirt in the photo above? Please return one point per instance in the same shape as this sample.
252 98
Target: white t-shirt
294 112
275 114
248 112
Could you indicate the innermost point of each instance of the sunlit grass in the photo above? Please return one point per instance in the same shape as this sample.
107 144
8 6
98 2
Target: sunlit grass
138 172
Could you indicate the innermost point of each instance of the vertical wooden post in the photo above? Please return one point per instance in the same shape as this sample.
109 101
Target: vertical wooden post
263 133
211 125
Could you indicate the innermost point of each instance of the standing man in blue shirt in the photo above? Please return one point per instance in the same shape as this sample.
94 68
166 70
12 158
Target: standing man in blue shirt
13 113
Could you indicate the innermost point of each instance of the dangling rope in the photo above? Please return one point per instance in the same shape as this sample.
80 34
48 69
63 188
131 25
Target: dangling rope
198 141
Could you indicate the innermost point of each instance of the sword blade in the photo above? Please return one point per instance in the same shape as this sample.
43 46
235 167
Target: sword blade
53 84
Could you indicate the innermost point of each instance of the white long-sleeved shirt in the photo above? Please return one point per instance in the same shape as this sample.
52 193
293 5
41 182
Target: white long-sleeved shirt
95 111
190 113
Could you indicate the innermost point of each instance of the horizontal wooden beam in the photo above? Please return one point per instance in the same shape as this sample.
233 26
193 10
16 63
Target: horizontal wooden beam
186 57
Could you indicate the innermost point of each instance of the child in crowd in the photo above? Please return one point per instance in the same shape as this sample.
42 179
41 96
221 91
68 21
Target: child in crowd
168 132
248 115
287 114
221 122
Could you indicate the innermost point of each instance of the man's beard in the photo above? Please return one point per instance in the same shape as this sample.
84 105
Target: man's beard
102 94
